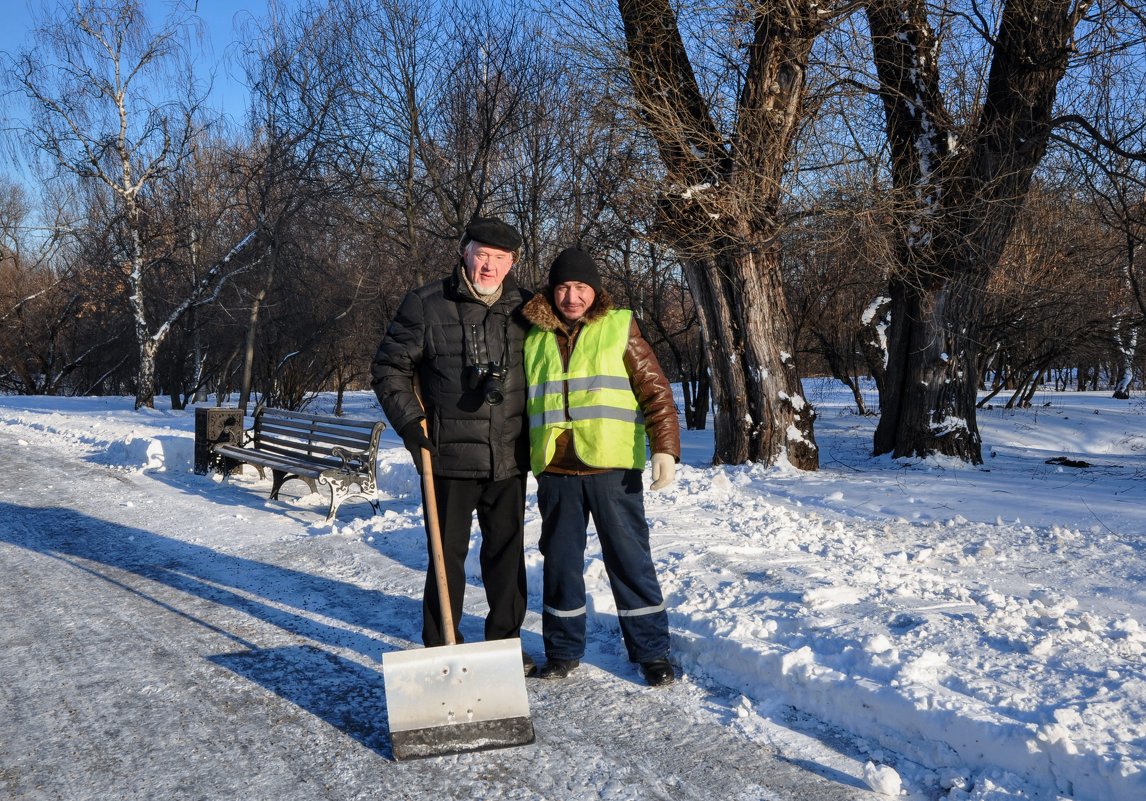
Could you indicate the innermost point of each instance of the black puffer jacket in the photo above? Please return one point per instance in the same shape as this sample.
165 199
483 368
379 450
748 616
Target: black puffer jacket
431 333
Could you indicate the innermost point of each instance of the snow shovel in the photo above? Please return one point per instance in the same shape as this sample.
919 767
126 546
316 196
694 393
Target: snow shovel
454 698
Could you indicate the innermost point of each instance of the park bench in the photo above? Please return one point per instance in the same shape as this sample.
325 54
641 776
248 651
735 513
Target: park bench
335 452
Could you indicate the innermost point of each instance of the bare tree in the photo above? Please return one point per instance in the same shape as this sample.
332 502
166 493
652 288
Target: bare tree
1115 187
95 85
837 264
431 124
1049 302
42 340
960 179
296 68
720 202
194 218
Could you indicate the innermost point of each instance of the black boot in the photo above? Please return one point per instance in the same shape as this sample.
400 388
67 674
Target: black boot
557 668
658 672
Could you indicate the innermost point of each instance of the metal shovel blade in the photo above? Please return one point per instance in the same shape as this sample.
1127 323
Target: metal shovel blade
456 698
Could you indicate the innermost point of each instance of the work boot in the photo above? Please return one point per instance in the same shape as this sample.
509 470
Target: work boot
658 672
528 663
557 668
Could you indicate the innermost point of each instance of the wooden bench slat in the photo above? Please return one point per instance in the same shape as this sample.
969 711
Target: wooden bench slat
322 451
327 462
292 437
313 432
316 423
344 422
252 456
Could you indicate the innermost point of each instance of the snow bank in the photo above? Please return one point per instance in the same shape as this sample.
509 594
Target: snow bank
977 630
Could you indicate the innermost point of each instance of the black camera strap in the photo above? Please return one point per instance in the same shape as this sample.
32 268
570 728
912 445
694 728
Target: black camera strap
476 347
474 335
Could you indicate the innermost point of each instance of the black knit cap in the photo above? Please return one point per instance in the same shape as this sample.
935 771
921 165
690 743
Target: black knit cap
574 264
493 232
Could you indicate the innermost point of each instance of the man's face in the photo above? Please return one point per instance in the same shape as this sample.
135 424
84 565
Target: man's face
486 266
573 299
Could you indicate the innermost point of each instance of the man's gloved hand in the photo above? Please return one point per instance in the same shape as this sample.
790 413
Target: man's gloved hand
664 470
414 438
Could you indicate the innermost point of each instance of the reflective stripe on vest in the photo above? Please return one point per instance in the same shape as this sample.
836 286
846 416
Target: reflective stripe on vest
593 398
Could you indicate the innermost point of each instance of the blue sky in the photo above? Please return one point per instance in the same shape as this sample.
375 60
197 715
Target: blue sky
221 20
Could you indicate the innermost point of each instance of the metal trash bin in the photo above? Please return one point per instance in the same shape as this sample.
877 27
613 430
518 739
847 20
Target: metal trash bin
214 425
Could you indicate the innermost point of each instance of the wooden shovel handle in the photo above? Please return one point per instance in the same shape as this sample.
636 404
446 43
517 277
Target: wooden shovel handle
434 529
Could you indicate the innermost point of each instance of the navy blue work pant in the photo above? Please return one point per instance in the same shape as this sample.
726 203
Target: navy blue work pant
616 502
500 507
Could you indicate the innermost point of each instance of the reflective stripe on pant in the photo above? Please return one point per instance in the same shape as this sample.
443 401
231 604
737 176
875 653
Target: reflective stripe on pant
500 507
616 504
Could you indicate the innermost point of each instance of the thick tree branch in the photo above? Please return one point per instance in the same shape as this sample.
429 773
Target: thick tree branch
1067 120
665 85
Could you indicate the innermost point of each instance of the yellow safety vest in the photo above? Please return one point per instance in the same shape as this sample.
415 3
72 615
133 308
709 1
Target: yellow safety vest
593 398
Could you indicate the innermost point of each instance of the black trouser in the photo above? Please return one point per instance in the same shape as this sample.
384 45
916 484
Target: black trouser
500 507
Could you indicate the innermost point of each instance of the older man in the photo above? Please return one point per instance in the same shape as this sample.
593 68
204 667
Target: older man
461 337
596 392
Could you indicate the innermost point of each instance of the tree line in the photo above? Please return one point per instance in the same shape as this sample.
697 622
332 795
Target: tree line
945 198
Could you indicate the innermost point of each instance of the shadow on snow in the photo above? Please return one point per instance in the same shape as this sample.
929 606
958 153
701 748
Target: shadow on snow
347 695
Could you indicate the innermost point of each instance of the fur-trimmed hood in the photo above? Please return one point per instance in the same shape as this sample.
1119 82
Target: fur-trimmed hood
542 313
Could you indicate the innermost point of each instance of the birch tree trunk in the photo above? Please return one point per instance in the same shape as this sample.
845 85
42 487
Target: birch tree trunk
1127 347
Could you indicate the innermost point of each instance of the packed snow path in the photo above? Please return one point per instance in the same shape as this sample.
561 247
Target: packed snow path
140 663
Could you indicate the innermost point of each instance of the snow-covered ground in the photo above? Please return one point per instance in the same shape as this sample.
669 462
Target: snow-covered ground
965 632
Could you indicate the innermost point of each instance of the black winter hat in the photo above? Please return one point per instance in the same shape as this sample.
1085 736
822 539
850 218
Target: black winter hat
493 232
574 264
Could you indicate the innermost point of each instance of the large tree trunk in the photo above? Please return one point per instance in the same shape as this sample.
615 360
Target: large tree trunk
718 211
872 343
760 414
1126 346
929 401
956 207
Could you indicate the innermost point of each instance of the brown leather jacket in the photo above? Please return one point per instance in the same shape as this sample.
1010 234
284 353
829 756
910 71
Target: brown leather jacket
651 388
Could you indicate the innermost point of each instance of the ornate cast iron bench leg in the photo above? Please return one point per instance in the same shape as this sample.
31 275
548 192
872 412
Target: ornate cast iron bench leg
282 476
